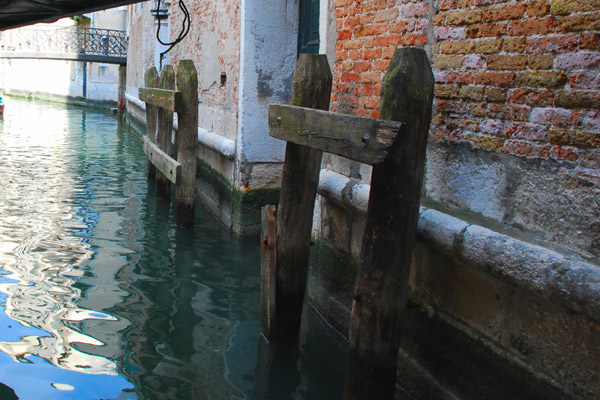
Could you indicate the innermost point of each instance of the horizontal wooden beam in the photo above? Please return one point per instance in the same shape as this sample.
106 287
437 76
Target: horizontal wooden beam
361 139
161 160
163 98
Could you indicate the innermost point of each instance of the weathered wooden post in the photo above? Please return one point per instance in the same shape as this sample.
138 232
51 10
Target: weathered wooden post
312 89
397 152
165 129
187 141
382 281
182 172
151 81
268 260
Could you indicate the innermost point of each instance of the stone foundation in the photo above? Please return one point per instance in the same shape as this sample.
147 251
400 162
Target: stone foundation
476 326
490 315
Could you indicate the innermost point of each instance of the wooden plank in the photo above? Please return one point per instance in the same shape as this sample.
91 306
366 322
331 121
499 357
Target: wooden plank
170 168
151 80
163 98
268 269
187 142
386 255
165 129
300 177
358 138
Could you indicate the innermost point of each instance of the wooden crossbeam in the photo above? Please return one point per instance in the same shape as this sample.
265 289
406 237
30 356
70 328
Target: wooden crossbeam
161 160
163 98
358 138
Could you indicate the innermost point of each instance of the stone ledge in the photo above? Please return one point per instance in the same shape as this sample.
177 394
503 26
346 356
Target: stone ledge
60 98
545 272
212 140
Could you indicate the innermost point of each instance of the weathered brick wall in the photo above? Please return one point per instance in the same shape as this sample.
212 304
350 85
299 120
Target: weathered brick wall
517 77
513 78
213 43
140 52
368 34
523 77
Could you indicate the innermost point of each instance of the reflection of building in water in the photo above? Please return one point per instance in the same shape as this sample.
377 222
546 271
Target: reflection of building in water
44 248
183 362
183 316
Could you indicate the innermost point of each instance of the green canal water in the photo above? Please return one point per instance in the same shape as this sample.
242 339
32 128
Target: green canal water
103 297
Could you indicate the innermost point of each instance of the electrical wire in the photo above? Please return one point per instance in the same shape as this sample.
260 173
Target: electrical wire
185 29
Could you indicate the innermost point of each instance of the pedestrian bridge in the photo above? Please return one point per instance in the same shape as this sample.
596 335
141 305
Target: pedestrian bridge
69 43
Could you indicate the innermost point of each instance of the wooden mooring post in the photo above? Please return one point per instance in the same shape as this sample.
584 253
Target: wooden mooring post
164 101
165 129
151 81
397 152
187 141
285 265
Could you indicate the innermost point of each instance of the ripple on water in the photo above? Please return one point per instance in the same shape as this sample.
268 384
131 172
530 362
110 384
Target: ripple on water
103 296
47 220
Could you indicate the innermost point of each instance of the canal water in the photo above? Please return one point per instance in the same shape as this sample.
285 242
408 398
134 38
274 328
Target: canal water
103 297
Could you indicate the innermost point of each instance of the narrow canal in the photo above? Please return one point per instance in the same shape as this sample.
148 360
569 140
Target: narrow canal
103 297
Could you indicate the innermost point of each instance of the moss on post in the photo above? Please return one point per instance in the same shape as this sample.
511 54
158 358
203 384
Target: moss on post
165 127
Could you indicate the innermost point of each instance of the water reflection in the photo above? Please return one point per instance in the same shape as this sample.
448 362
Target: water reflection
187 307
46 252
41 250
105 297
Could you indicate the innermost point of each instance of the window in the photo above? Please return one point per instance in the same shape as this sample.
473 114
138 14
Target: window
308 34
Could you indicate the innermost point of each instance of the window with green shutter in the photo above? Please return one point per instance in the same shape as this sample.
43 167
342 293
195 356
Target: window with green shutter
308 35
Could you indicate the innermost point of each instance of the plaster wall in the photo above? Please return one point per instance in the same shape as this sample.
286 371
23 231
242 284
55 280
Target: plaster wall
104 86
48 77
113 18
103 79
268 58
213 43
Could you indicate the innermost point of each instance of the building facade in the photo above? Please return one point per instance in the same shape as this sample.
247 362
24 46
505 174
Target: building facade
35 60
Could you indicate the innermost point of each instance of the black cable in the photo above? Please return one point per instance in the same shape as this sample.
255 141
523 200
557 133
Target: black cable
185 29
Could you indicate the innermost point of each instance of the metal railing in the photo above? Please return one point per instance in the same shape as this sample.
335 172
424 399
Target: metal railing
107 42
70 42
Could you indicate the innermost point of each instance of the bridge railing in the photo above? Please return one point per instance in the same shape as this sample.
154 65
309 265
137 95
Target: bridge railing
106 42
70 40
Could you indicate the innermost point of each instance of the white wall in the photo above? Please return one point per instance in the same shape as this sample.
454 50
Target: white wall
57 77
269 40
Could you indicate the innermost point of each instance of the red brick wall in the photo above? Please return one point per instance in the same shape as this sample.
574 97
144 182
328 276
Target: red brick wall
521 77
368 33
